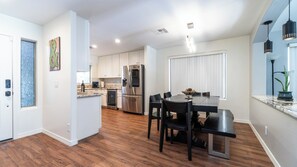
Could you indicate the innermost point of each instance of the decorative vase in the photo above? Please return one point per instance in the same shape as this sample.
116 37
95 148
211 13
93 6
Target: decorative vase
287 96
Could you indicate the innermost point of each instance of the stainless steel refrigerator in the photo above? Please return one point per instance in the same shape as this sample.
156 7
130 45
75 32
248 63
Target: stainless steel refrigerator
133 89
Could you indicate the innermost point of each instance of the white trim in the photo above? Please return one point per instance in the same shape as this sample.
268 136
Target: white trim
28 133
244 121
292 44
198 54
60 138
267 150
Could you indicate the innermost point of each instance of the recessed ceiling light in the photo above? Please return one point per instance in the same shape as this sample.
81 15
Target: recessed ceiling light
117 40
93 46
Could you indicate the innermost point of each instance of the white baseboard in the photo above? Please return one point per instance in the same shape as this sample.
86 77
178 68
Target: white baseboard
267 150
242 121
28 133
60 138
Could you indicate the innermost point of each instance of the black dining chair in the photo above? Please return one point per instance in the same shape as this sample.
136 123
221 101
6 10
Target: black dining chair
167 95
206 94
176 123
154 114
196 94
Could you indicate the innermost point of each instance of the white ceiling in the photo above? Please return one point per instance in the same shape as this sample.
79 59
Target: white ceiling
135 21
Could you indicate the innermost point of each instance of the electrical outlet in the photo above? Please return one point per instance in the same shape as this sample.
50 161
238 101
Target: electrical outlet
266 130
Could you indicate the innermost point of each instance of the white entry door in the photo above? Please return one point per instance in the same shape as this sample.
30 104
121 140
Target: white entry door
5 87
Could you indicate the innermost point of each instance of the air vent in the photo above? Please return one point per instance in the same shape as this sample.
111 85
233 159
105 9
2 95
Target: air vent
190 25
160 31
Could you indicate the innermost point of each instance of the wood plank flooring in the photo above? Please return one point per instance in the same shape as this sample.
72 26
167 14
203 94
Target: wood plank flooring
122 141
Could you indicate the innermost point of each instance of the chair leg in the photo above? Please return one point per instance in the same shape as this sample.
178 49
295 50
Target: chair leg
166 134
161 137
171 136
158 119
149 122
189 142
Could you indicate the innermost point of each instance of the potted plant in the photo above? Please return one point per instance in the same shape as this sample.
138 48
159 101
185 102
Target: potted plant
285 94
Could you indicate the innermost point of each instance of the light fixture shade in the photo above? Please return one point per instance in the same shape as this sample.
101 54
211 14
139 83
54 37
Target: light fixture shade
268 46
289 30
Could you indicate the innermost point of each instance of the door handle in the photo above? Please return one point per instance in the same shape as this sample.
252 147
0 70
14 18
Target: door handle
7 93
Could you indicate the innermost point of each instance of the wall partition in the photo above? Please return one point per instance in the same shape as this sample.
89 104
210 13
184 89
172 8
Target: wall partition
292 67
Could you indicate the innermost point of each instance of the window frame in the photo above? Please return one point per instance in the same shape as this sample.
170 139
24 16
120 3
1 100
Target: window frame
225 63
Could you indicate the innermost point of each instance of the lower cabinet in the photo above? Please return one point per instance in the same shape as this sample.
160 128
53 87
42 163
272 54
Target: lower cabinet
103 97
88 116
119 99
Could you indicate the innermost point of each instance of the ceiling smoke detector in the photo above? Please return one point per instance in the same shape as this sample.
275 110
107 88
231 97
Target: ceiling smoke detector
190 25
161 31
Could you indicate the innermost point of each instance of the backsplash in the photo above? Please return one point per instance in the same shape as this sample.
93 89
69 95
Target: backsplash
112 83
109 83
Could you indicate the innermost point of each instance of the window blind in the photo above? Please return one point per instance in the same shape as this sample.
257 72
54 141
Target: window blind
203 73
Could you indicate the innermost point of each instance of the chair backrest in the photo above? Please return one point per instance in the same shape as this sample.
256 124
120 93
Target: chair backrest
177 107
152 98
206 94
155 97
158 97
196 94
167 94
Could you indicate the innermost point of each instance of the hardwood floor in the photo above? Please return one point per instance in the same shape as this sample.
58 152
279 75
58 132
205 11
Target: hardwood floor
122 141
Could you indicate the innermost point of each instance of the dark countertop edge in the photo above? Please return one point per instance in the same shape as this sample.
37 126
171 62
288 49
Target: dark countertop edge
285 111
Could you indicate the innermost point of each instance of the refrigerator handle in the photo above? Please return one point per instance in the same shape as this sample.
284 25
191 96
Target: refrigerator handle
130 84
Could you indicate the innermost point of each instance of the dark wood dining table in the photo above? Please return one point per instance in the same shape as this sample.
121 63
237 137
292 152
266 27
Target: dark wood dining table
199 103
206 104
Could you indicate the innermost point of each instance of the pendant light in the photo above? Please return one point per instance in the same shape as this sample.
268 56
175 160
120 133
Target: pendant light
268 45
289 29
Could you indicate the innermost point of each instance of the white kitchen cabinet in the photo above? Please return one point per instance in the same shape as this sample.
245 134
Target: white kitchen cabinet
119 99
123 60
88 116
109 66
103 96
104 69
136 57
115 65
83 44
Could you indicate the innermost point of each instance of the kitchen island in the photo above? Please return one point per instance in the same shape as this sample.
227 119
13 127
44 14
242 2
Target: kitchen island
89 114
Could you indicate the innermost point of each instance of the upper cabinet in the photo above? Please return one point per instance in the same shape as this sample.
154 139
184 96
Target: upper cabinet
135 57
111 66
82 44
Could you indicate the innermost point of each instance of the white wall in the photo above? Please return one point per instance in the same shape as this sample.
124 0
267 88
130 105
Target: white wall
281 138
150 61
59 115
258 69
238 71
27 121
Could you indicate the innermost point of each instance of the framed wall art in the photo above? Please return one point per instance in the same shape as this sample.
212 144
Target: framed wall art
55 54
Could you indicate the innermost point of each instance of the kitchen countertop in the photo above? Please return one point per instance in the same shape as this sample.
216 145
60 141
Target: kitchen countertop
287 107
86 94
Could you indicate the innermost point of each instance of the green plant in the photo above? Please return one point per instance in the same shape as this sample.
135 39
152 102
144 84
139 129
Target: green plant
285 85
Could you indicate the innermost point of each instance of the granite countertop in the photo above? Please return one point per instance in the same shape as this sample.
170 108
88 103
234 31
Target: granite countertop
87 94
287 107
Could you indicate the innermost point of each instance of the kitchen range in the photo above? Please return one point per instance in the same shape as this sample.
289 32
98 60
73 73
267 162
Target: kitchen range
133 89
